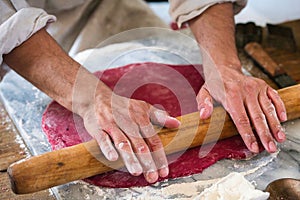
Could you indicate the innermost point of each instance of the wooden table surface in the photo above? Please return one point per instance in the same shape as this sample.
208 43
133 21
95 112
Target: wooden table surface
12 147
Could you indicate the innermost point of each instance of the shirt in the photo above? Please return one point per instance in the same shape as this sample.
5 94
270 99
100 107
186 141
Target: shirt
82 24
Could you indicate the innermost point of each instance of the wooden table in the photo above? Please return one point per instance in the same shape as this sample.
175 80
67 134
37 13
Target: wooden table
12 147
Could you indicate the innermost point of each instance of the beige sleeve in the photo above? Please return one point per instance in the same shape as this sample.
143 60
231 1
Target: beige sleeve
18 22
182 11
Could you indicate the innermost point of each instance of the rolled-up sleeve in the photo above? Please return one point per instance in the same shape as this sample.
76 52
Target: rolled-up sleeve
18 23
182 11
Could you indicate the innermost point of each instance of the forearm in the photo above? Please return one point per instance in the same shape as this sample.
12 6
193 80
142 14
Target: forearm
41 61
214 30
248 100
106 117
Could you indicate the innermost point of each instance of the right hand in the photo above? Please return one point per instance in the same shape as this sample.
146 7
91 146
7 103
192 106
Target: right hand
249 101
123 126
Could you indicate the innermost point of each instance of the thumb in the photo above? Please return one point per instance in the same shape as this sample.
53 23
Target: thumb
205 105
162 118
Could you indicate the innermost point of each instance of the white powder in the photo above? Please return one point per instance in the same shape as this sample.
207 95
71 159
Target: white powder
234 187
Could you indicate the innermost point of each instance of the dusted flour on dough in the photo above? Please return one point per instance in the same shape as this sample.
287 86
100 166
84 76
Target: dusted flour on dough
171 87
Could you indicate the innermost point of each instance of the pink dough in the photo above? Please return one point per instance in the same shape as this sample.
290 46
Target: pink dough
169 87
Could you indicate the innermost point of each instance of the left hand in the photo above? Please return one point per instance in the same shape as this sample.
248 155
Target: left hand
248 100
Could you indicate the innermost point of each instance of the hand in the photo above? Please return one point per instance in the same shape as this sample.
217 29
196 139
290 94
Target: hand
248 100
124 126
120 126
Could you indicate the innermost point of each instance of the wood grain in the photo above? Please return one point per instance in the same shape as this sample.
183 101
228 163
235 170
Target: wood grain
12 147
256 51
85 160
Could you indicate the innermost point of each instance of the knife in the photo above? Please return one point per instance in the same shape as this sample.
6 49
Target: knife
265 62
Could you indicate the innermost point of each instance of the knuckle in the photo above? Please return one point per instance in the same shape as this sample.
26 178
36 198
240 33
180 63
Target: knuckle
102 136
232 92
138 105
131 131
143 121
201 105
141 147
243 121
277 97
155 143
148 130
123 145
248 137
109 127
250 86
270 109
264 134
259 117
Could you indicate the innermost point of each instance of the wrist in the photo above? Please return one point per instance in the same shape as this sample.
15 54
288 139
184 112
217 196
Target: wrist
87 90
221 66
230 66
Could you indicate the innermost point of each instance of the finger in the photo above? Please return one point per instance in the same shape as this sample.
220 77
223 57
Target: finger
143 153
102 139
155 145
205 103
271 115
106 146
236 109
278 103
162 118
123 145
139 146
156 148
158 155
260 123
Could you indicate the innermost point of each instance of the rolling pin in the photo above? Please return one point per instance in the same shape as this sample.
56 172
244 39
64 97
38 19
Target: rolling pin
85 160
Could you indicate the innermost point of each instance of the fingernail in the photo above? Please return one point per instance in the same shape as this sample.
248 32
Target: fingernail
254 147
283 116
281 135
272 146
151 177
135 169
173 118
202 110
163 172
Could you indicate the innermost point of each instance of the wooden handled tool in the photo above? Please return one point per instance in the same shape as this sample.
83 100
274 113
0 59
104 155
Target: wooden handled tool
264 61
85 160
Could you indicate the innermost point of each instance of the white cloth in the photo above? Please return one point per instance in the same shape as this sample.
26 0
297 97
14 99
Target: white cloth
80 24
83 24
182 11
17 27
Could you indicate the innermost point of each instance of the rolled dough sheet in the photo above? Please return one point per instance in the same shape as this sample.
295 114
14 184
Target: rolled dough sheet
169 87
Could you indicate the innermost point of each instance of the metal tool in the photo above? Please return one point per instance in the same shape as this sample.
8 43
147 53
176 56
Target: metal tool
285 189
264 61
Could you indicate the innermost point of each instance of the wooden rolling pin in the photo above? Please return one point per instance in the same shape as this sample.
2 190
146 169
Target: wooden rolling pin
83 160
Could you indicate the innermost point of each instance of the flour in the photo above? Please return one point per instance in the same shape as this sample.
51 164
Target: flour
234 187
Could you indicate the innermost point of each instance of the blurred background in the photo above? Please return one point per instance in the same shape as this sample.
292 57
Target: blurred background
258 11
